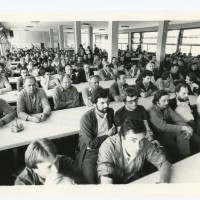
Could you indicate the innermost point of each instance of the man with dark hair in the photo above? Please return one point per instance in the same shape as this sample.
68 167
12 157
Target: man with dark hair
181 105
133 111
122 156
20 80
175 75
116 91
170 129
95 126
84 74
193 84
44 166
79 64
146 88
106 73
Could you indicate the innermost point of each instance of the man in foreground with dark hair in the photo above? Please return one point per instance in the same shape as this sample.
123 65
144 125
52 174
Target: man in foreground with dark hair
121 157
169 128
95 126
44 166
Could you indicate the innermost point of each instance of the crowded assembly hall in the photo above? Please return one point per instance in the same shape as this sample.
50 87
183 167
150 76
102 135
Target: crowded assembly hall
99 102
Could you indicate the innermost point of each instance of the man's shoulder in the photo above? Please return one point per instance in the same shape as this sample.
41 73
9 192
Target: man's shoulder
120 110
110 142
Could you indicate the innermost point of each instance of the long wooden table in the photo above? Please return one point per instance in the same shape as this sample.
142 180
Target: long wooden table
11 97
60 124
184 171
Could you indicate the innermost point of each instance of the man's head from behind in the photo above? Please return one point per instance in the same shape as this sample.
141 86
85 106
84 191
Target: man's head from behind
99 98
41 157
181 91
133 134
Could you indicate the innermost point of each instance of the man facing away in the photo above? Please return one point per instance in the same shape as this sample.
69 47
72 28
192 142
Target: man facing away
121 157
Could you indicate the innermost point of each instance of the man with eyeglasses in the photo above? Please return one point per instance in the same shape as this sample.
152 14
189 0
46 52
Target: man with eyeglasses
106 73
121 157
132 110
84 74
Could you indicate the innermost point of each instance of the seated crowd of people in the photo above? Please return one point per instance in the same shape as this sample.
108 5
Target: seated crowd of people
113 147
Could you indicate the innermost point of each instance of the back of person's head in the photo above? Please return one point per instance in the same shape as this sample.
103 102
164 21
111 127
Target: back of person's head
146 73
40 150
137 126
97 94
47 70
119 73
179 86
165 75
131 92
158 95
23 68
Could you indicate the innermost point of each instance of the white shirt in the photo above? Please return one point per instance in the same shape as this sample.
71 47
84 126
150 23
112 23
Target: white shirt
102 125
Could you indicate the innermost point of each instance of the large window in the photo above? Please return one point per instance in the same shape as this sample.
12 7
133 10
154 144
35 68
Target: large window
135 40
172 41
122 41
102 41
191 41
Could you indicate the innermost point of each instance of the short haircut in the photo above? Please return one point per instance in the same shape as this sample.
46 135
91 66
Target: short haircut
65 77
97 94
192 76
23 68
40 150
93 76
30 78
146 73
119 73
165 75
179 86
131 92
158 95
47 70
132 124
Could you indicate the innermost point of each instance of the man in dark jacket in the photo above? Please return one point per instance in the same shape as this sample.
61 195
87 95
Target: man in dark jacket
95 126
84 74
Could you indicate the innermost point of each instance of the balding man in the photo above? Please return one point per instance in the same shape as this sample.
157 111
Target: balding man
32 102
65 95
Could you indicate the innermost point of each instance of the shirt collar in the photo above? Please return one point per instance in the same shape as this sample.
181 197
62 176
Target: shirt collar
179 103
99 117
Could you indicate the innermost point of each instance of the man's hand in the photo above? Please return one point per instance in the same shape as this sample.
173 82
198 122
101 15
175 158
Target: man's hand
155 143
2 92
188 131
34 119
1 123
117 99
43 117
53 179
111 131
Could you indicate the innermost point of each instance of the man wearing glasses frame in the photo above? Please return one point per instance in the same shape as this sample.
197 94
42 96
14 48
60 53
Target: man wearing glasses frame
132 110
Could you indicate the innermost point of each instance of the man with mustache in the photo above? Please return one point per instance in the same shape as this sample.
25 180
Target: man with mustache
122 156
181 105
95 126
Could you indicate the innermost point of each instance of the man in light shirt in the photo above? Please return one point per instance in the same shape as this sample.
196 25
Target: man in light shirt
122 156
96 125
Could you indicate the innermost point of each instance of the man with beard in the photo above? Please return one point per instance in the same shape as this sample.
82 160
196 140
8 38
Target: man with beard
170 129
181 105
95 126
122 156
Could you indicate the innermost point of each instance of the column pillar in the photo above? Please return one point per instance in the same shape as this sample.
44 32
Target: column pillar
90 37
77 35
129 40
61 37
51 38
161 43
112 40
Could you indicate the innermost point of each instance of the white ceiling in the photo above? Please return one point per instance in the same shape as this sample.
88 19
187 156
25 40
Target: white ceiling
45 26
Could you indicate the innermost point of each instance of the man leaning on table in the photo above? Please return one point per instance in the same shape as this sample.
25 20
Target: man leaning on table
121 157
7 113
45 167
32 102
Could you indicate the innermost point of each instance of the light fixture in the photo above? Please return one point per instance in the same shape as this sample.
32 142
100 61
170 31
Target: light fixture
69 28
124 26
85 24
29 26
102 29
26 29
35 22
